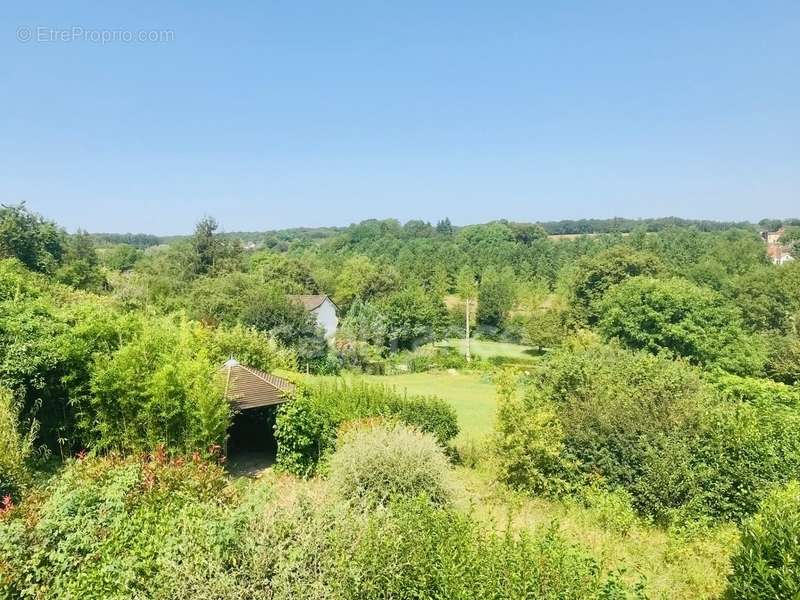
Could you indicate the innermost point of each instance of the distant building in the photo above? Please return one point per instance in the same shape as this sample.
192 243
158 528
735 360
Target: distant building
324 311
778 253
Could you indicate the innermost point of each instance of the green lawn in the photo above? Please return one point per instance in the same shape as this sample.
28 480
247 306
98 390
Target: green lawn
471 394
488 349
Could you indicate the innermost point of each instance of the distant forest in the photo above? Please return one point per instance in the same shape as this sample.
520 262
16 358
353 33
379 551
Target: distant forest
562 227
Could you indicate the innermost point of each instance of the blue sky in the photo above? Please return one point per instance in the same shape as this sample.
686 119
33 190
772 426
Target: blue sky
278 114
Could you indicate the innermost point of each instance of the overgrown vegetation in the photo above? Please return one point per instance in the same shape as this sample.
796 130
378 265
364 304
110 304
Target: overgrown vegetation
656 396
306 428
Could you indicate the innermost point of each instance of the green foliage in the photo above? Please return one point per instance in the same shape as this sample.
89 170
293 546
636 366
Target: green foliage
681 318
611 509
379 462
783 363
364 322
160 388
289 322
292 275
743 451
649 426
47 345
211 253
496 296
251 347
595 275
360 278
112 528
412 318
26 236
766 564
409 550
754 390
16 448
306 427
169 530
529 445
81 268
544 328
121 257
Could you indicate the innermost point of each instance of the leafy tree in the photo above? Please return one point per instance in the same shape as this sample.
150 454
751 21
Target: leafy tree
783 363
364 322
273 312
682 318
412 317
121 257
593 276
361 278
210 252
81 265
544 328
444 227
26 236
288 272
763 299
496 296
528 233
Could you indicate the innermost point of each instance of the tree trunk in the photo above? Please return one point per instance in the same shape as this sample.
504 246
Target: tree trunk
466 304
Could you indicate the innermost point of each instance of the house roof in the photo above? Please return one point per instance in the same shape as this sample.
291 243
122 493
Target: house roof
311 301
246 387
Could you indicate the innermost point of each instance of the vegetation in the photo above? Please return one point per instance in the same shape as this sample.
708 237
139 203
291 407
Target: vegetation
765 565
306 429
629 409
376 463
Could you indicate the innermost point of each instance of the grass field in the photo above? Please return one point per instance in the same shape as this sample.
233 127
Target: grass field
488 349
471 394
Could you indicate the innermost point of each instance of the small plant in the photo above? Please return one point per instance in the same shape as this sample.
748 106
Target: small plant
379 462
768 562
612 509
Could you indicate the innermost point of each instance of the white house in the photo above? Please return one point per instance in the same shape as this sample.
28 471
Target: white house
323 309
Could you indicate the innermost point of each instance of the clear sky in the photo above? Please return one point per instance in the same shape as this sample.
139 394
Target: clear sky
277 114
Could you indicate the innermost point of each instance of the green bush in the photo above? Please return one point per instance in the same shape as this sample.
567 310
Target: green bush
15 449
767 564
410 550
111 528
652 427
160 388
611 509
743 451
754 390
174 530
306 427
529 446
376 463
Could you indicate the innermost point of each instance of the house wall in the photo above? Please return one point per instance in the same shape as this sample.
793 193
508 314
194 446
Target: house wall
326 318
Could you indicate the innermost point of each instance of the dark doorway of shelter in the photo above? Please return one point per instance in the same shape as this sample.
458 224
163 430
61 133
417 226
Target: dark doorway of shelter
251 440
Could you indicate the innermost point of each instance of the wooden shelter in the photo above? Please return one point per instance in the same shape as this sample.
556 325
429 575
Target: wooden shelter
246 387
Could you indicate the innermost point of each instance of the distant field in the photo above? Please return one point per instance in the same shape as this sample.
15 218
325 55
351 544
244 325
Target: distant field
471 394
487 349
